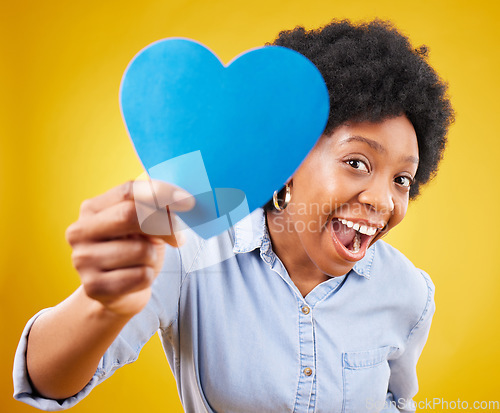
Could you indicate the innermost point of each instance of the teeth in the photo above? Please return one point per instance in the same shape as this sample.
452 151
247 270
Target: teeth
363 229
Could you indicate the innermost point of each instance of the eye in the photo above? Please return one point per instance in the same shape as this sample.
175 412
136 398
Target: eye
404 181
357 164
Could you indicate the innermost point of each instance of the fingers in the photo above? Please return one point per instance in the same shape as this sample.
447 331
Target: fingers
149 195
116 254
113 196
155 204
119 241
106 286
112 269
123 219
162 194
117 220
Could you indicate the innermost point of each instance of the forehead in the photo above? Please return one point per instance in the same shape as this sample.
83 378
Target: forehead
393 137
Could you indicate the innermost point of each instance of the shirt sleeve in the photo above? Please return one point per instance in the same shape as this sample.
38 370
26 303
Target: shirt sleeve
403 384
161 310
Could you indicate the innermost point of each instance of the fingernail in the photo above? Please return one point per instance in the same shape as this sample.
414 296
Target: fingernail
180 196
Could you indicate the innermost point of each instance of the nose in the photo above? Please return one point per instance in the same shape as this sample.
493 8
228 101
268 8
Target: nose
379 196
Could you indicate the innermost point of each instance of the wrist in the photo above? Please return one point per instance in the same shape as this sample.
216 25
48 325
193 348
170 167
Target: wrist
109 313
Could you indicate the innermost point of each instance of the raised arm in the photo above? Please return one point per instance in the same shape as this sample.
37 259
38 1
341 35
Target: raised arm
117 263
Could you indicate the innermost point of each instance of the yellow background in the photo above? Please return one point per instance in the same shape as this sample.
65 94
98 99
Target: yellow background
62 140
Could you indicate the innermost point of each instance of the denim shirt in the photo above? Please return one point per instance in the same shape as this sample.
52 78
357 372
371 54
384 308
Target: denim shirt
240 337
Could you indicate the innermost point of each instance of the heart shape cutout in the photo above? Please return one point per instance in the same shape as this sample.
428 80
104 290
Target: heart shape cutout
230 135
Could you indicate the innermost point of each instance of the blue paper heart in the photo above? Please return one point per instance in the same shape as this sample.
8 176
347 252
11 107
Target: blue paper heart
242 129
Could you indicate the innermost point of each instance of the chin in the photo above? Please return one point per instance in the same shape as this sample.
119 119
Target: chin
340 270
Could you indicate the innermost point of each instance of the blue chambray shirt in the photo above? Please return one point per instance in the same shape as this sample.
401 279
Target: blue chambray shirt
240 337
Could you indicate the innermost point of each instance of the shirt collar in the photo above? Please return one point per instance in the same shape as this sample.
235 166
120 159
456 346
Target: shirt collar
251 233
363 267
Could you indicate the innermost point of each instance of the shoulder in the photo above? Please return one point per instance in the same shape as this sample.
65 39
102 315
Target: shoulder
392 263
408 285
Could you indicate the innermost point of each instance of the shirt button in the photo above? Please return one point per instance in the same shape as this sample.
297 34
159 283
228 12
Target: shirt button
305 309
308 371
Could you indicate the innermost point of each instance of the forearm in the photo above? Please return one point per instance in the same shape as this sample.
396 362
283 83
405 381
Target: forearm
66 343
117 263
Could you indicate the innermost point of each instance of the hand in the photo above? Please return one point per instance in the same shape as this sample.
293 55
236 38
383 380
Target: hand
117 260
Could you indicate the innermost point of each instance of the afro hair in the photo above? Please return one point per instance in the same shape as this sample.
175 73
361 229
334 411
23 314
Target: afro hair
373 73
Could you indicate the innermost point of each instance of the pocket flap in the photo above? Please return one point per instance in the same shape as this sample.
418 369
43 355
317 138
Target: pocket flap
367 358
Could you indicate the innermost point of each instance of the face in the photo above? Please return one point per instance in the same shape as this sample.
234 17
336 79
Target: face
352 188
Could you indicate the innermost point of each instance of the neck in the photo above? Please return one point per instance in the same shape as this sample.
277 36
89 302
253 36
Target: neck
288 247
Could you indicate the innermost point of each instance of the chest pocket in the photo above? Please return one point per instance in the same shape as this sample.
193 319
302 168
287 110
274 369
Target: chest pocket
365 379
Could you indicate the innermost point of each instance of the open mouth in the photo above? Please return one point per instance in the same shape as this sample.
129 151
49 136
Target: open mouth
351 240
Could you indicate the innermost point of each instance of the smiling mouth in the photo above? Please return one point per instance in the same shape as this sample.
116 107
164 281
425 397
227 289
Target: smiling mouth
350 239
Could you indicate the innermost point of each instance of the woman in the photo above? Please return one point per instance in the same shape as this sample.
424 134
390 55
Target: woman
299 307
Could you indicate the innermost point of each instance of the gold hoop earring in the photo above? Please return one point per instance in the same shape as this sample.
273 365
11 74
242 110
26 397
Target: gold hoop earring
288 197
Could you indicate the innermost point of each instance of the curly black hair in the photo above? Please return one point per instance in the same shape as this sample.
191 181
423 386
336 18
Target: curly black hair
373 73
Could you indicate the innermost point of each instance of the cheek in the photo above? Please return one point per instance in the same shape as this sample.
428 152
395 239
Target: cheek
400 209
322 187
306 218
309 198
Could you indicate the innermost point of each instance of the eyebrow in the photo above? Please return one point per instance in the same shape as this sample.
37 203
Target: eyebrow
356 138
411 159
377 146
